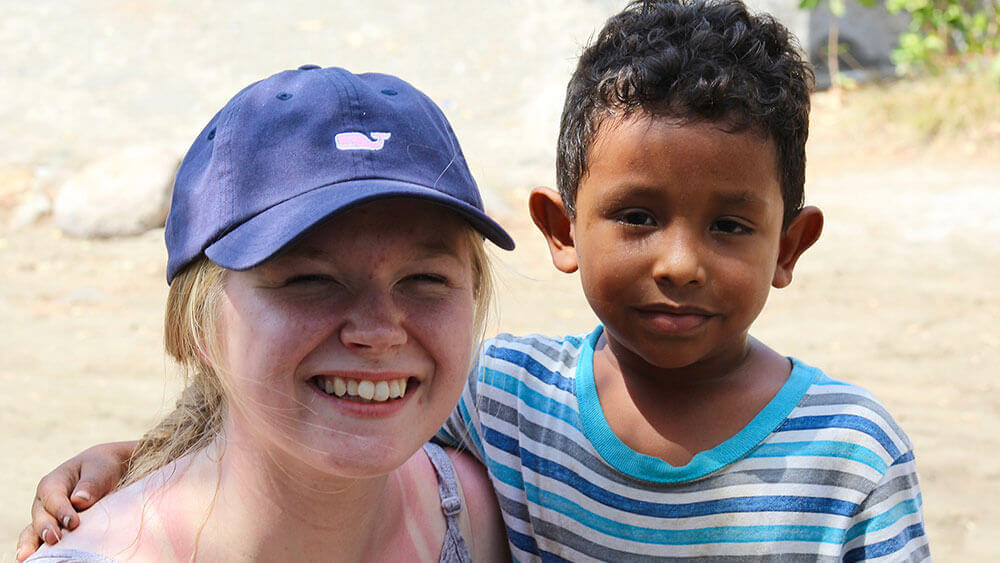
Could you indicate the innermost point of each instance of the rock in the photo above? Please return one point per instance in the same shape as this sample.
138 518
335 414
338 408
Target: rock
126 193
33 206
14 181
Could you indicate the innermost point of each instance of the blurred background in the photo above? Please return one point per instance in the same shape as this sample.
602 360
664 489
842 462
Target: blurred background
101 98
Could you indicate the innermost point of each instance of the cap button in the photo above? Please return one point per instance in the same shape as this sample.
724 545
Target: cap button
308 67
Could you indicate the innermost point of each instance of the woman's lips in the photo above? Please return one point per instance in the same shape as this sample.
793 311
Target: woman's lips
366 395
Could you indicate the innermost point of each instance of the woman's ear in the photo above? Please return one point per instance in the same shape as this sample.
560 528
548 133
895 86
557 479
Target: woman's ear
803 231
552 219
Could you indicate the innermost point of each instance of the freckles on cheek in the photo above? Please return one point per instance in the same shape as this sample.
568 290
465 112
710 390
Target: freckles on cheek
252 336
450 332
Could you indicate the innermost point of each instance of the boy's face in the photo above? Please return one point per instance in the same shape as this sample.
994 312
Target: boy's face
678 239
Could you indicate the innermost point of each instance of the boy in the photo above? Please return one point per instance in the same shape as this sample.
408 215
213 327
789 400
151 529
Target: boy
668 432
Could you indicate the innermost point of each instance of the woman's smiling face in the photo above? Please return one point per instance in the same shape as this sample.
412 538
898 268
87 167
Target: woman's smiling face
347 351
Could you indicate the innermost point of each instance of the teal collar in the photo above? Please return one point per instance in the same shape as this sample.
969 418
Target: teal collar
648 468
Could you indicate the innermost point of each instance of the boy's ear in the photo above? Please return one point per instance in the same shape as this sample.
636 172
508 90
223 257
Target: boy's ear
550 216
803 231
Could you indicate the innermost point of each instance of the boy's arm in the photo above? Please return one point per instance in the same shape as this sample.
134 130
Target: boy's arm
75 485
890 522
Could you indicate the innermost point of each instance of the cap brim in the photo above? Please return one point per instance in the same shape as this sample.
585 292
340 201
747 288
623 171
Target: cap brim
269 232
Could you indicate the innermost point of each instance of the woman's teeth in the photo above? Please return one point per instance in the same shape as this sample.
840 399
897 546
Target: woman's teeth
377 391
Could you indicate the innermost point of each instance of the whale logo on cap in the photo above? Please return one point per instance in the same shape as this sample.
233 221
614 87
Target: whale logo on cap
357 141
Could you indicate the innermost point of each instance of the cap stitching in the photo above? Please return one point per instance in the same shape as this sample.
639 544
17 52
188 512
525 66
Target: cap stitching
226 152
350 94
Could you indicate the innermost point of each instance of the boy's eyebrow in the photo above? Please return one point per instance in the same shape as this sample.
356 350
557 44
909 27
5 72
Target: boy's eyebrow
736 197
742 197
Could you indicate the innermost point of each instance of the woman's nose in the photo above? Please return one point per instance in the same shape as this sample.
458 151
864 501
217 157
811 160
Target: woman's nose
679 259
373 326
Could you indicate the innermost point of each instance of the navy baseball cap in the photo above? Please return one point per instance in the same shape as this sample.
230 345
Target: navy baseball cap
292 150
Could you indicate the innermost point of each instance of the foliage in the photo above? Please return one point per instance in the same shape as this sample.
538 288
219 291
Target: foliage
942 32
837 7
945 32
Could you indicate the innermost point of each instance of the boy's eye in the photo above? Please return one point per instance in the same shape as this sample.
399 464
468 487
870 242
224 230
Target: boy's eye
731 227
636 217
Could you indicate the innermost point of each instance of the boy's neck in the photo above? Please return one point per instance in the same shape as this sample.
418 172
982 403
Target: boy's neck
673 414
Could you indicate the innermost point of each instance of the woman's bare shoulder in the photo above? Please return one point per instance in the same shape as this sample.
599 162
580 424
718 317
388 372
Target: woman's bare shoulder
486 535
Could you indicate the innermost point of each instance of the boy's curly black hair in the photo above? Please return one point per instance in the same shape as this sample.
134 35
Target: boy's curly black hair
693 60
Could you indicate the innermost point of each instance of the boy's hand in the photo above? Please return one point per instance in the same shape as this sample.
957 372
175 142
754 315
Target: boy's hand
73 486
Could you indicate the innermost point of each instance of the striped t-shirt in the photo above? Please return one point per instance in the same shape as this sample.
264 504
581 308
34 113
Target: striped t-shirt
821 473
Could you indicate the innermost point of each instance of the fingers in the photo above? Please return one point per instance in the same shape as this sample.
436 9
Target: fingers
75 485
52 506
99 469
27 543
43 525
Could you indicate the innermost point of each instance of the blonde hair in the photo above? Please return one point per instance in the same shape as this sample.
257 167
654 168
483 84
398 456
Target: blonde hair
191 337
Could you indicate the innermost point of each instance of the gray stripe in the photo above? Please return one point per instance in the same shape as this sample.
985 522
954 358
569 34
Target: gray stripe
825 399
889 488
923 553
555 350
605 553
513 508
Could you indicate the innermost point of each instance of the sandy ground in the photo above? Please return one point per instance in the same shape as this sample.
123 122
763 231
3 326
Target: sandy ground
900 294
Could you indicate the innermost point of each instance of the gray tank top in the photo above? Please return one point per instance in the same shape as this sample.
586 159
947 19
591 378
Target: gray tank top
453 550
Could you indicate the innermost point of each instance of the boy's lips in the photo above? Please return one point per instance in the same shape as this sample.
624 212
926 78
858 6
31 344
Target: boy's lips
671 319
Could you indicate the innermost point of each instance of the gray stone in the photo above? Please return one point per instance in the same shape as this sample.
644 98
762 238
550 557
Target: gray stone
126 193
868 35
33 205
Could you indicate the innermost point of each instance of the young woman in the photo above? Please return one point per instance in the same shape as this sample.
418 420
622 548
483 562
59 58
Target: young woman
328 280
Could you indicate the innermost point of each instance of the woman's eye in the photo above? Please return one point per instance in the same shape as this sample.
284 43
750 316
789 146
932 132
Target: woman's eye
428 278
309 279
637 218
731 227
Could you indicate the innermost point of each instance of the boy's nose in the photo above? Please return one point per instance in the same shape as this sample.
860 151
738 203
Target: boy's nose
679 260
372 326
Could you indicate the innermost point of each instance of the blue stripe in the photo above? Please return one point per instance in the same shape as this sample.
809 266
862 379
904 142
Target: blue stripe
719 534
445 438
522 542
531 365
502 441
822 448
502 473
554 470
548 556
888 518
905 458
463 410
885 547
530 397
849 421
